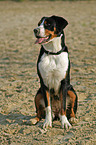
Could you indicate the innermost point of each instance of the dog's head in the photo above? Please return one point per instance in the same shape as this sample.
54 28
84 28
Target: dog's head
48 28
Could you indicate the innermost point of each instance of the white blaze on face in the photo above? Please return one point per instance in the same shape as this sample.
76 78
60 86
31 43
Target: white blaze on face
42 29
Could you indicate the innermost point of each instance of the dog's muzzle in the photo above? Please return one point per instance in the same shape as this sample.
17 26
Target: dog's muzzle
36 32
40 39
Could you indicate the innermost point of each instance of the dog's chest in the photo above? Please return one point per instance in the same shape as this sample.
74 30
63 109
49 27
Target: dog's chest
53 69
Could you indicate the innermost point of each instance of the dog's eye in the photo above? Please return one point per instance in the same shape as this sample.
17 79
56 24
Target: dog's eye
47 24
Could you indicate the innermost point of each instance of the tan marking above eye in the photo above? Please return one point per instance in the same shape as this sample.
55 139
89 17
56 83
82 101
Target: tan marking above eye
45 22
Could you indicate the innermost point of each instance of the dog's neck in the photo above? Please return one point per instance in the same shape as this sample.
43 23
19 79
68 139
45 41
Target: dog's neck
54 45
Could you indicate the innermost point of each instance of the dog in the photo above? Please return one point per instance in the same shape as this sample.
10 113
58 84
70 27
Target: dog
56 97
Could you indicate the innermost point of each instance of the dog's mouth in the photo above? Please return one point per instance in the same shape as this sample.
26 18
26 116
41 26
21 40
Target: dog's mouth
41 40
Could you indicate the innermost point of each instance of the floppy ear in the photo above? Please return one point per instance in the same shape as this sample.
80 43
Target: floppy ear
61 23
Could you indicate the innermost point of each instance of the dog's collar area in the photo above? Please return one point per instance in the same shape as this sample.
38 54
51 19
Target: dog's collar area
54 53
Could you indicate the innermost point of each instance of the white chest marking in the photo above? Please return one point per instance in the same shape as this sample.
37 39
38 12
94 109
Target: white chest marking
53 69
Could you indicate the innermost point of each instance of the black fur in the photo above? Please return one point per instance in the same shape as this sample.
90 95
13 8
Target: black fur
61 23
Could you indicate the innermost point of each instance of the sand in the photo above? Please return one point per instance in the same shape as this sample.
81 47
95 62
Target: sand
19 81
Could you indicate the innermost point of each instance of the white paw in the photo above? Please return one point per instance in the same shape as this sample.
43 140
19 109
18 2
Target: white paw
47 123
64 122
33 121
48 119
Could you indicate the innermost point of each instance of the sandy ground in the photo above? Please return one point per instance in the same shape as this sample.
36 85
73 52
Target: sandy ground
19 81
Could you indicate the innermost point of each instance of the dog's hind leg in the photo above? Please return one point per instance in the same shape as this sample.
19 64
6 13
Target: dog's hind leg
73 105
40 107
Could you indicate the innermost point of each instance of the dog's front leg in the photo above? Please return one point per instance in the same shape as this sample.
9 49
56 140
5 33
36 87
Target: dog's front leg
63 93
48 118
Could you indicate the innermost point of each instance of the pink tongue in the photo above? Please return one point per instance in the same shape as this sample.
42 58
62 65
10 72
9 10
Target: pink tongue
39 40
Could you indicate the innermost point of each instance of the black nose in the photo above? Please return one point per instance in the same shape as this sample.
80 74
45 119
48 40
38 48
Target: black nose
36 31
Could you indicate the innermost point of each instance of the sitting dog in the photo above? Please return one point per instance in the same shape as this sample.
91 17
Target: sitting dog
56 98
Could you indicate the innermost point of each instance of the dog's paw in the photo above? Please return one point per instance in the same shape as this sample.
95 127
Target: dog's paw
33 121
47 123
73 120
48 119
64 122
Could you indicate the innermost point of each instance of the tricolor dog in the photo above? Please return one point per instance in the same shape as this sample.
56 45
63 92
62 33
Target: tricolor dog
56 98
